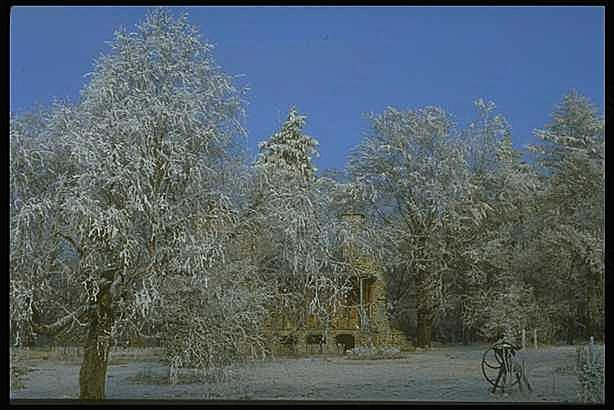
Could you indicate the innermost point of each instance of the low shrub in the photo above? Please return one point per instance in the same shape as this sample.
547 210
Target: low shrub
590 373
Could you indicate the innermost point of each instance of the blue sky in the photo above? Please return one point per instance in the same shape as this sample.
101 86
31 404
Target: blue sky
338 63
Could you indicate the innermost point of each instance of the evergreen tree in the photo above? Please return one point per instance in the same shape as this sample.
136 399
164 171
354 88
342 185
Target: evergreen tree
294 230
289 151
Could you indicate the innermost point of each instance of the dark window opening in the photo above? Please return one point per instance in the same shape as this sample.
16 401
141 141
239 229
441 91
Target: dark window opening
345 340
314 339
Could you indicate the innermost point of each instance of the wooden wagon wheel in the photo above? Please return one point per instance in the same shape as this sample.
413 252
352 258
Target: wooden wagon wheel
498 366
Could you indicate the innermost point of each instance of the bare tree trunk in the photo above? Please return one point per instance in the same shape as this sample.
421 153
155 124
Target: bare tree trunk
570 331
465 335
425 329
424 311
93 373
464 332
588 323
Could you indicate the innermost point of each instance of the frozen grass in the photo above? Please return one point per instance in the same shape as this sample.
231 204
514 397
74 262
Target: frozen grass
17 370
374 353
74 354
441 374
26 360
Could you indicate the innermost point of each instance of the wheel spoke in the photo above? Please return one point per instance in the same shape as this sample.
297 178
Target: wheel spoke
499 367
491 361
492 367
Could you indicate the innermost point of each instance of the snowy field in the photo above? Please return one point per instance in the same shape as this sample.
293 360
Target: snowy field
441 374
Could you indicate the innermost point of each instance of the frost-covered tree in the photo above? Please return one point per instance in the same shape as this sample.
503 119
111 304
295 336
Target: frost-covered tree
486 251
412 168
571 160
507 311
295 230
118 206
543 233
36 160
289 150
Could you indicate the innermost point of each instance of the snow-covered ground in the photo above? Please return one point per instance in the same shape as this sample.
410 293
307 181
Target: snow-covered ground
444 373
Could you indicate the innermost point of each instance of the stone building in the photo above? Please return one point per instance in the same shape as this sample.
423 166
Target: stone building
361 321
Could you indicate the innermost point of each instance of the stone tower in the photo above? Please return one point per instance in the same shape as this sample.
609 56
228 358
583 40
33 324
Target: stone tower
372 282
